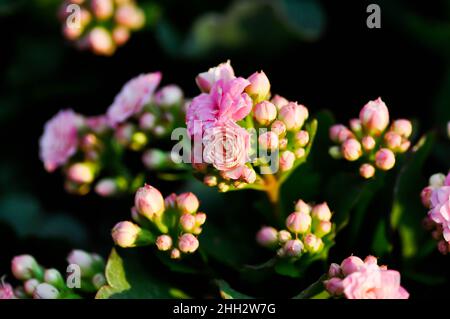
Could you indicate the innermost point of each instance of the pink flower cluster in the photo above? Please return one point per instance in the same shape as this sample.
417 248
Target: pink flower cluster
370 140
357 279
436 197
138 114
223 117
100 25
306 231
175 221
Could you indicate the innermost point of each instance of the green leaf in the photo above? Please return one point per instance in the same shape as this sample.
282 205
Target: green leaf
115 277
229 293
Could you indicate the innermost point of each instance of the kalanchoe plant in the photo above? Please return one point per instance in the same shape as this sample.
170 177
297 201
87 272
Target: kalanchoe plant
48 283
91 149
369 140
100 25
172 224
436 197
250 138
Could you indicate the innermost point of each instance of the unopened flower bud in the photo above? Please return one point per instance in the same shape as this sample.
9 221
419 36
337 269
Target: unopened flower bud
30 285
368 143
187 222
293 248
81 258
425 196
120 35
53 277
374 117
404 146
267 237
81 173
200 219
299 153
149 202
385 159
147 121
283 143
301 138
188 243
313 244
188 203
334 270
402 127
130 16
279 101
335 131
25 267
335 152
351 149
155 159
175 253
298 222
210 180
268 141
264 112
164 242
351 264
125 234
355 125
100 41
248 175
367 170
321 212
45 291
302 207
284 236
278 128
223 187
437 180
371 260
169 95
393 140
334 286
293 116
323 228
259 87
287 160
443 247
102 9
106 187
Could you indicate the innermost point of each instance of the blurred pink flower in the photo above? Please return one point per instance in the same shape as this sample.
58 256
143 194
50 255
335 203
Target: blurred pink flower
60 139
440 209
6 291
136 93
374 117
206 80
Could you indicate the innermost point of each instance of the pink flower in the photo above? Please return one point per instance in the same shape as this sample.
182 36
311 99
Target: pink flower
6 291
227 146
59 141
132 97
374 117
206 80
440 209
226 101
98 123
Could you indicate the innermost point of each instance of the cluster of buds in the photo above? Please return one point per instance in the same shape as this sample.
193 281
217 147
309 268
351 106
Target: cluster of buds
306 229
91 148
436 198
369 140
172 224
358 279
241 126
100 25
85 274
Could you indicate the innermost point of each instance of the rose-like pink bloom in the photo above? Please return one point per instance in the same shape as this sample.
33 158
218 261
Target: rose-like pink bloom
374 117
60 139
225 102
440 209
136 93
226 146
206 80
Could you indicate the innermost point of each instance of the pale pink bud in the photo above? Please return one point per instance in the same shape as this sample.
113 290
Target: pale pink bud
120 35
188 243
385 159
425 196
100 41
355 125
298 222
125 234
321 212
313 244
371 260
300 152
284 236
24 267
374 117
169 95
351 264
248 175
259 87
175 253
293 248
268 141
437 180
404 146
287 160
278 128
210 180
81 173
188 203
283 143
443 247
72 33
187 222
164 242
301 138
102 9
267 236
30 285
351 149
53 277
223 71
147 121
368 143
264 112
323 228
170 201
302 207
130 16
293 115
402 127
81 258
149 202
393 140
367 170
45 291
279 101
106 187
334 286
334 132
200 218
334 270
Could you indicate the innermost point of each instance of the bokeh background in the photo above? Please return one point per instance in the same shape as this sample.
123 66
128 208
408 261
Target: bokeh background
320 53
